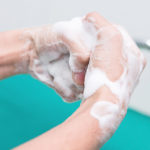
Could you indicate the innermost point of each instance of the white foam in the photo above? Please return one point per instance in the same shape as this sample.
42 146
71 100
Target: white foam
109 114
80 32
56 61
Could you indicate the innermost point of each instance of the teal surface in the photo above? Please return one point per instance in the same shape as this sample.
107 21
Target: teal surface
29 108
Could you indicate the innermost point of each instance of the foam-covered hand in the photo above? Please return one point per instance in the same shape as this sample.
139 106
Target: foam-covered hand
114 70
61 54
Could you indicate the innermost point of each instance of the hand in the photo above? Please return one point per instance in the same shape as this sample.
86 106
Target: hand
61 55
114 70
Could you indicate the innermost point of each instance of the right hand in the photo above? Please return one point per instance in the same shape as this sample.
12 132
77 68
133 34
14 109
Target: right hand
69 41
113 72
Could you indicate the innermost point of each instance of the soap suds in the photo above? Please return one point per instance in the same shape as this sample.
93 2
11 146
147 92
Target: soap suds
56 60
109 114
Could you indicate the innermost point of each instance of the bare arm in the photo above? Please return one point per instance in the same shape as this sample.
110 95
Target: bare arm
101 113
80 131
81 128
14 53
99 116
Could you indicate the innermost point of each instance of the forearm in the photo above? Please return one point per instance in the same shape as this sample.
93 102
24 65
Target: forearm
14 53
108 85
80 131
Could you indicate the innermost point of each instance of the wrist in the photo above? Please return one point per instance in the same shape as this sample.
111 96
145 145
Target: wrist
26 52
41 37
39 42
14 53
23 49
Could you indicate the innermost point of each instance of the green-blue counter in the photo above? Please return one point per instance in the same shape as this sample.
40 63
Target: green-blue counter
29 108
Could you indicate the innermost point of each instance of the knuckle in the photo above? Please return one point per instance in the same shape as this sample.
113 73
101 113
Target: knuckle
93 17
84 58
92 14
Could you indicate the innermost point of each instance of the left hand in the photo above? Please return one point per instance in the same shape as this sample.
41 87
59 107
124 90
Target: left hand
60 55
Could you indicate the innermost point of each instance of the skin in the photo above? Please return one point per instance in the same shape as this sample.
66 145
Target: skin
80 131
12 54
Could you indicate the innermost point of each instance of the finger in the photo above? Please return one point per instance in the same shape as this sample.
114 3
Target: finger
80 54
78 77
107 53
80 50
78 59
105 59
97 20
131 46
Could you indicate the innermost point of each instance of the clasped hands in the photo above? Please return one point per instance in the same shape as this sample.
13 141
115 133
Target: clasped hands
91 59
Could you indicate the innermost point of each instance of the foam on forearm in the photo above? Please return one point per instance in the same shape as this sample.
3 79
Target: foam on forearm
108 113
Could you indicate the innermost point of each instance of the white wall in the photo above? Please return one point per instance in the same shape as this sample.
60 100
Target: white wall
132 14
